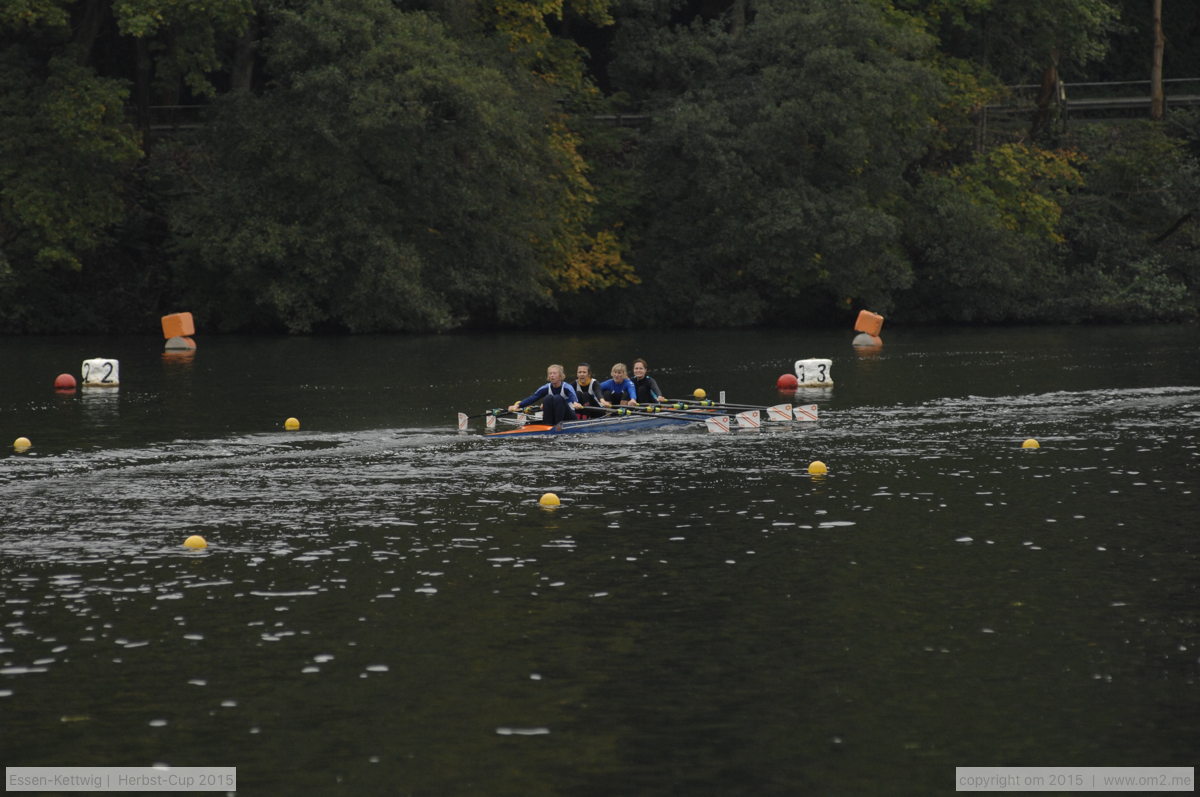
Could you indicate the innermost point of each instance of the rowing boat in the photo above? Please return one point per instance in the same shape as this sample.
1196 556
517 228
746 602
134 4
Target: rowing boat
710 414
624 423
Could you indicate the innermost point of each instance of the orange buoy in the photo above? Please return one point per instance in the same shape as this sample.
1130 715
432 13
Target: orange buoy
178 325
64 382
869 323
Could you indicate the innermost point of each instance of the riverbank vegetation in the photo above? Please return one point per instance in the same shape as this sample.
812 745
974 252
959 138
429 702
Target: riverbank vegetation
424 165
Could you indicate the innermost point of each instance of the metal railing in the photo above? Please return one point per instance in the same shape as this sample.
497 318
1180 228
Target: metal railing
1119 99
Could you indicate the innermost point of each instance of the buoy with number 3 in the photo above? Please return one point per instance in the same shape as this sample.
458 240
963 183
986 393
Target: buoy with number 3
814 373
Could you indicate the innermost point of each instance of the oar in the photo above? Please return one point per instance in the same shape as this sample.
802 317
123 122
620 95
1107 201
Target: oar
715 423
711 403
647 413
777 412
489 414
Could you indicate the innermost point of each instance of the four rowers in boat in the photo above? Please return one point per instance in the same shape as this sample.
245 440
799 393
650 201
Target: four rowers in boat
588 397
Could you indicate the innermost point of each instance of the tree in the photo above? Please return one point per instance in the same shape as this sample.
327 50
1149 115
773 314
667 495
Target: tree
389 178
587 257
776 182
65 155
986 235
1024 41
73 176
1132 230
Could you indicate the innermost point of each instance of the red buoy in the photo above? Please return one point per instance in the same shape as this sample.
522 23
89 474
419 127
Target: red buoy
786 382
64 382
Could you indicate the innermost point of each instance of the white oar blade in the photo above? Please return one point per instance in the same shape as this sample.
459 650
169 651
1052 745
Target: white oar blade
462 422
749 419
806 412
490 423
718 424
780 412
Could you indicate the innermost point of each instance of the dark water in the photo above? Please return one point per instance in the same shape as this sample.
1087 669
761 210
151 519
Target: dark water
385 609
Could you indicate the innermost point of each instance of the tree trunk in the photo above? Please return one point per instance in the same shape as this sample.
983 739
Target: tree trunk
87 31
737 21
1158 103
1047 101
242 70
141 87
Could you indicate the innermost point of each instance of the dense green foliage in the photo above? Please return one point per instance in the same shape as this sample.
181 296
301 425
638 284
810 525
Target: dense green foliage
362 188
367 165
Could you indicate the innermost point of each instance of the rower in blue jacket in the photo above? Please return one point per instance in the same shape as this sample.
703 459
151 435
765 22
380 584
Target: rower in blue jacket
619 389
559 401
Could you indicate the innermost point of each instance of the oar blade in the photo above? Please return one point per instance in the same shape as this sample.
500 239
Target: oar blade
749 419
490 422
718 424
462 422
780 412
806 412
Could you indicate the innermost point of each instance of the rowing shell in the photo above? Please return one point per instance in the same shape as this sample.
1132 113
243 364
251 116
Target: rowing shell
616 424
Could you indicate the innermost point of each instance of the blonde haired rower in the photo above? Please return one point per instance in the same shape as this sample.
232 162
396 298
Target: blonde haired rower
619 389
558 398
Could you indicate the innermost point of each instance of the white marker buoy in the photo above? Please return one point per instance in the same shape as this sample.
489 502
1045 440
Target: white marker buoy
864 340
178 343
100 372
814 373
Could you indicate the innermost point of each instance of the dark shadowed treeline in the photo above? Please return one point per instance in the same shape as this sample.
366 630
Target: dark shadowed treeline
418 165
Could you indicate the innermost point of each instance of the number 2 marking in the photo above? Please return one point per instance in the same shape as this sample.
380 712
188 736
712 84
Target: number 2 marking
87 372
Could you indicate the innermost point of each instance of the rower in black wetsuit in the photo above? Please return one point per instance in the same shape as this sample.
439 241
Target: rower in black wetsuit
559 401
587 390
646 389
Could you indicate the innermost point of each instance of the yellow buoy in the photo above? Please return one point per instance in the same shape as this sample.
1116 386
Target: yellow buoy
549 499
291 424
21 444
817 468
699 393
195 541
1031 443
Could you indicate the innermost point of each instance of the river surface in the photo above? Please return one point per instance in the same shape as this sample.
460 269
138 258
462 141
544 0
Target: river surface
384 608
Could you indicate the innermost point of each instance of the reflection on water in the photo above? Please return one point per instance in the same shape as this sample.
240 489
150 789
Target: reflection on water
384 607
